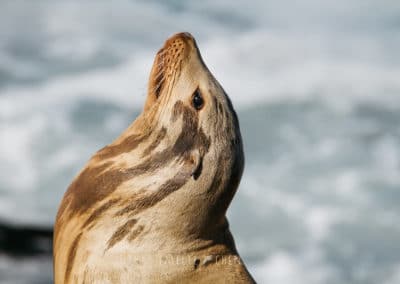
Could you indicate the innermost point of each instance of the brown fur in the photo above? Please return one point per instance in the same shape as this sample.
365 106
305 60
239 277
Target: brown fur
144 202
71 257
92 186
135 233
127 145
100 211
156 142
121 232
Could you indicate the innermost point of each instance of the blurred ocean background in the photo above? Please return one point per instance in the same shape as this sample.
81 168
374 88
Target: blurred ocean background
316 85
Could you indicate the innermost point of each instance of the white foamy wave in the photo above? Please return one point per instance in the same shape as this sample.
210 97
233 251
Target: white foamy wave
124 84
16 155
394 278
268 66
281 267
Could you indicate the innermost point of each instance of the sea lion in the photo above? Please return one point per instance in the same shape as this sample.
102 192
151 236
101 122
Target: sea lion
150 207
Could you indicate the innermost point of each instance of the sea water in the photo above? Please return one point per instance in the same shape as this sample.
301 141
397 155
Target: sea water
316 86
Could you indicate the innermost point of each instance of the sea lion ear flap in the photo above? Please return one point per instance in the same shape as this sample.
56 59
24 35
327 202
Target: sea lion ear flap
192 166
197 160
156 81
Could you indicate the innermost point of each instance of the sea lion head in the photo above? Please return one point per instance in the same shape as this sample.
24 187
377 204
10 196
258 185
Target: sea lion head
185 100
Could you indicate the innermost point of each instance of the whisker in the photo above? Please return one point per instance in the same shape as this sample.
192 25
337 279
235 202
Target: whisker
158 76
157 88
161 63
159 83
159 72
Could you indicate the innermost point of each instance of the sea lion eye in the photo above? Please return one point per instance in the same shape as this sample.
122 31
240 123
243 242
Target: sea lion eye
197 100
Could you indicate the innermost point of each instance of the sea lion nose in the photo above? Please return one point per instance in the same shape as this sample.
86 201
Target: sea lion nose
184 38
